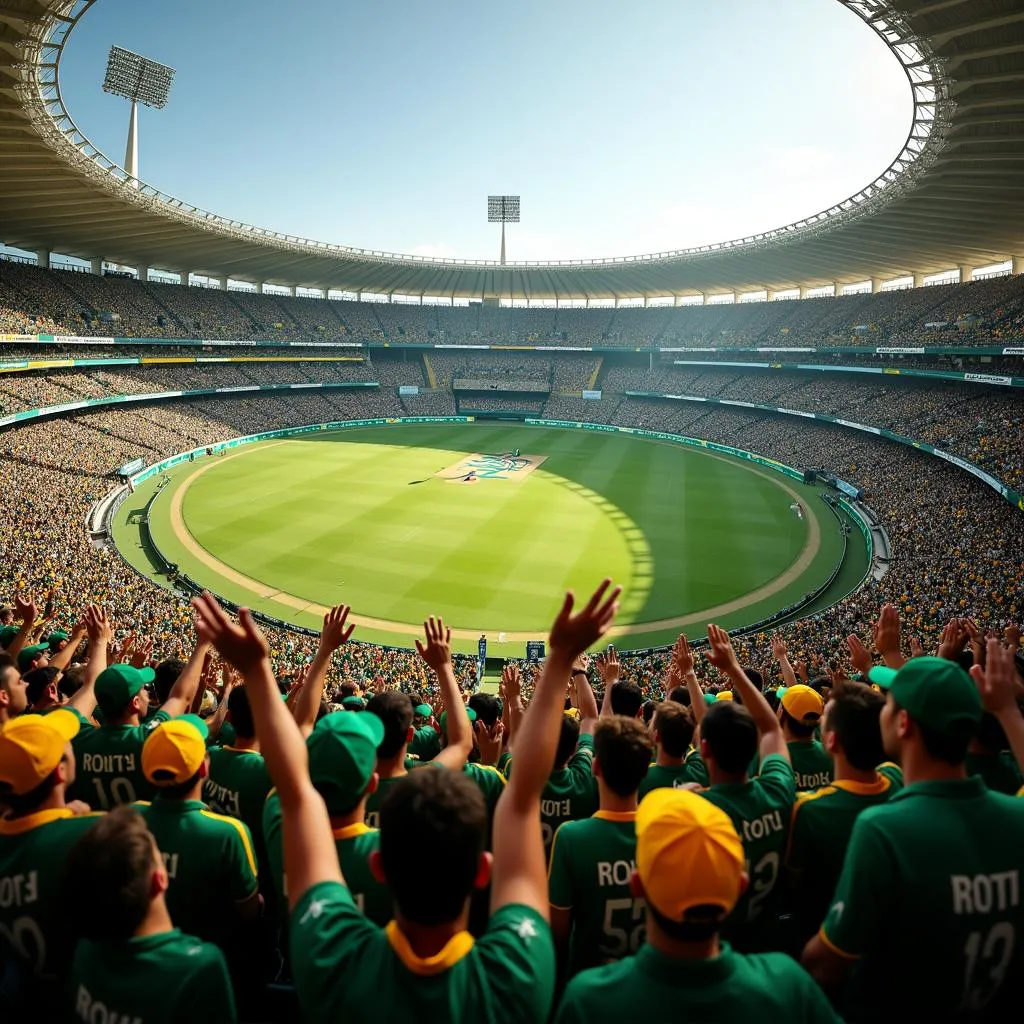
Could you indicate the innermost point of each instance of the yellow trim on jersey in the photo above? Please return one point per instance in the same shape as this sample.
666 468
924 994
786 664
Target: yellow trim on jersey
829 944
242 750
1020 792
18 826
555 906
880 785
357 828
615 815
242 831
455 949
489 768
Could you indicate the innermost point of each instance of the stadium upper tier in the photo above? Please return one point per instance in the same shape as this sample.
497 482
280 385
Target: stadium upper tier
953 196
64 303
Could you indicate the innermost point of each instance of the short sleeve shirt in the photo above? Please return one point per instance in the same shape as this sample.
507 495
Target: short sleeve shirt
210 861
108 763
674 776
237 786
931 882
591 864
425 743
760 810
346 968
812 767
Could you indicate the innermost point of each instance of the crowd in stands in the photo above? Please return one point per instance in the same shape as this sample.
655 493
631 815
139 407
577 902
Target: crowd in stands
62 302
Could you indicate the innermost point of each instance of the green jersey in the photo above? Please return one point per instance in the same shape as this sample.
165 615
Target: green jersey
346 968
675 776
109 763
35 935
999 771
491 783
760 809
570 793
376 798
159 979
210 861
931 883
812 767
425 743
238 785
591 863
728 989
354 844
819 835
503 761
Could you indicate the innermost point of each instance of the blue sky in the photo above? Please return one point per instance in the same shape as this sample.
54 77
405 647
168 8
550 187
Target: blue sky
626 128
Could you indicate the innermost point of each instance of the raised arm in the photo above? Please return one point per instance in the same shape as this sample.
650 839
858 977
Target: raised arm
586 702
100 633
184 690
26 610
215 722
335 633
998 691
512 681
520 872
310 856
436 651
780 652
681 669
769 731
887 636
609 669
62 658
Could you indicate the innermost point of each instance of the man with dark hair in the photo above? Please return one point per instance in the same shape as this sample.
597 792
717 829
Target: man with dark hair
425 964
690 874
822 821
165 675
42 689
931 879
131 962
487 708
210 857
989 758
342 766
13 690
37 765
627 700
800 711
110 756
594 916
676 764
760 807
395 711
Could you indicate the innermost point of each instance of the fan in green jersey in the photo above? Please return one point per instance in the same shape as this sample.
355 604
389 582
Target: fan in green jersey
690 873
595 919
131 963
800 711
676 764
932 878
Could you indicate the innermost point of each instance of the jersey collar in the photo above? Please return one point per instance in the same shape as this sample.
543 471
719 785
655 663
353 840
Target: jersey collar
949 789
615 815
357 828
18 826
880 785
177 806
454 950
696 972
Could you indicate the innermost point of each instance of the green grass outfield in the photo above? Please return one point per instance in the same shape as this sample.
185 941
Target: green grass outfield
362 516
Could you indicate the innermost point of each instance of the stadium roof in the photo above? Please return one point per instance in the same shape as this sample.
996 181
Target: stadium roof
953 197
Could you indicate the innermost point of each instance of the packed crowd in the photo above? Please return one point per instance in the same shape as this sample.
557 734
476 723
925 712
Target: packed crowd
33 300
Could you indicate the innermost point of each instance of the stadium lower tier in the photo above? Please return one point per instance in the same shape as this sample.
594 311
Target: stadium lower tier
957 547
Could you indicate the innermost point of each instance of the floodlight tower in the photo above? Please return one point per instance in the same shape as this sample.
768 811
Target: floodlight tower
503 210
139 80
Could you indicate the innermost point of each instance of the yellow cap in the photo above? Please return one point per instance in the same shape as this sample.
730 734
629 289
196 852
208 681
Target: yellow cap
31 747
687 853
723 695
174 750
803 704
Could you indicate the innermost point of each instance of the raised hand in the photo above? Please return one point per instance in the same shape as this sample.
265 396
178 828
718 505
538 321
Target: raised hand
996 682
335 632
860 656
98 626
573 634
682 658
511 682
1012 636
243 644
887 634
437 651
488 740
780 651
720 650
953 639
608 667
141 654
916 647
25 608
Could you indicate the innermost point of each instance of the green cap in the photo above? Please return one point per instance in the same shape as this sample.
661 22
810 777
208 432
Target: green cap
470 713
343 757
29 654
117 684
934 691
353 703
56 638
423 710
7 634
781 692
710 698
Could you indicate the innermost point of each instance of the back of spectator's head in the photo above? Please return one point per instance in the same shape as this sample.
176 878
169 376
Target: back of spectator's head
729 736
690 863
41 682
240 713
347 689
853 725
622 753
802 709
71 680
674 726
679 695
647 711
487 708
395 711
343 759
167 673
118 861
754 676
568 739
627 699
433 826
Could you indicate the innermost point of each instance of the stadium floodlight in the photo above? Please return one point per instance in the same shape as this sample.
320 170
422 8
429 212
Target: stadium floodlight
503 210
140 80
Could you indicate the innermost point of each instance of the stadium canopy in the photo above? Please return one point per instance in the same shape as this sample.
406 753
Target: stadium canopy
953 197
